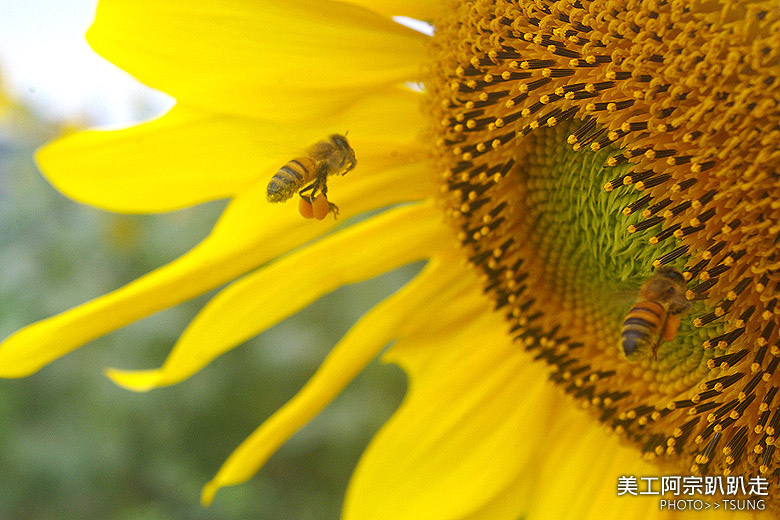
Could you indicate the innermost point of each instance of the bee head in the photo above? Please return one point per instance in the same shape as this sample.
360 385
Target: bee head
671 273
342 144
668 286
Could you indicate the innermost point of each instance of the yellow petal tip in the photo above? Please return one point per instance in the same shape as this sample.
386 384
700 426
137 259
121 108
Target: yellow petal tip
21 355
136 380
207 495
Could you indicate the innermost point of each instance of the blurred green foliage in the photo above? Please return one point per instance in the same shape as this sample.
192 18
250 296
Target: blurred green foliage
73 445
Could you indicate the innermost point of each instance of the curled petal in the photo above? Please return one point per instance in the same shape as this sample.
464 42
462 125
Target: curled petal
265 297
360 345
249 233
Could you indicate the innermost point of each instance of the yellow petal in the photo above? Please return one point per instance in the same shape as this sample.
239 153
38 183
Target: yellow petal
183 158
506 504
358 347
580 468
276 59
427 10
460 439
189 156
265 297
249 233
579 472
391 115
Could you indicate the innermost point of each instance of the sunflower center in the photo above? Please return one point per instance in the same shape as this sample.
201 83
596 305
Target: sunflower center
583 147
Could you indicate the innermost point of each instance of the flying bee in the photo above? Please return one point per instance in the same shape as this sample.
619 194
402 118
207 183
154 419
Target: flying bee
654 317
308 176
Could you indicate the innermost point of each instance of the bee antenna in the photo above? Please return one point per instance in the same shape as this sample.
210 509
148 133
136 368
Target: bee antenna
346 133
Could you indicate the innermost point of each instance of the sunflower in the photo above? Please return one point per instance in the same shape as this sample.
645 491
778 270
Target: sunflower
558 155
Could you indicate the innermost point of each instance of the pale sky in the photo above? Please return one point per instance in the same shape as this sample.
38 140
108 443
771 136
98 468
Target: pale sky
46 62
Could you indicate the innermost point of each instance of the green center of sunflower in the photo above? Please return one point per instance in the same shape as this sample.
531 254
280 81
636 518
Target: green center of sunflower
583 146
579 240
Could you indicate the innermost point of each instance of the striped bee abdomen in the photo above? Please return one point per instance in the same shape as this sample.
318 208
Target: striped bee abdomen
290 178
643 325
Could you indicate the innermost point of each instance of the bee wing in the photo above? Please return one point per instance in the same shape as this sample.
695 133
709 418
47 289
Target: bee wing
320 151
277 158
624 299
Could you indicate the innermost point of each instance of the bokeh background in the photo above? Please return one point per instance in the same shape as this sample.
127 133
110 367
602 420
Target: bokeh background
72 444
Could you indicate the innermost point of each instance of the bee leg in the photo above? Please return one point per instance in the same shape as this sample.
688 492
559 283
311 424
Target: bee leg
312 189
332 208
